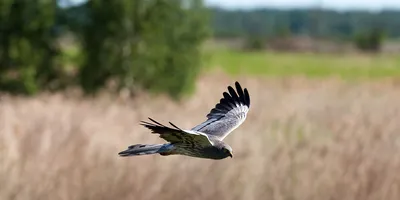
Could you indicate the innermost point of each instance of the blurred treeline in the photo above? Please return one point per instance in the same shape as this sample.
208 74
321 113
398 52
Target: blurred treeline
274 22
366 30
311 22
124 44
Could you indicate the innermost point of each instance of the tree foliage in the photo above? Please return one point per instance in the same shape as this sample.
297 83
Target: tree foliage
27 50
254 44
369 40
146 44
149 44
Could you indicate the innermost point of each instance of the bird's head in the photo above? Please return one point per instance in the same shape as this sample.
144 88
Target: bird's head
222 150
227 151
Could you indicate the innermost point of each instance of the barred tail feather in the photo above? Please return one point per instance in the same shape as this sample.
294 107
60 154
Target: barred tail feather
144 149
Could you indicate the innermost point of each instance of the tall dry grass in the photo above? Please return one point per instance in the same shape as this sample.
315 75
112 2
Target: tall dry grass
321 139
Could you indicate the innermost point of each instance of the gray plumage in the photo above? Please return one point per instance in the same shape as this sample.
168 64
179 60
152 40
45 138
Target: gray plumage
205 139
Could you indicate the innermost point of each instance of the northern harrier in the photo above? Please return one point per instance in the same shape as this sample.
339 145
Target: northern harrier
205 139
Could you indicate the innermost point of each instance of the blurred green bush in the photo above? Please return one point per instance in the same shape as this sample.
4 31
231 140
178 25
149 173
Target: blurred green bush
371 40
254 44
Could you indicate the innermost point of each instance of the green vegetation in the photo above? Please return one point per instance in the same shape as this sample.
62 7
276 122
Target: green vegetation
27 51
254 44
310 65
154 45
362 28
312 22
370 41
151 45
268 22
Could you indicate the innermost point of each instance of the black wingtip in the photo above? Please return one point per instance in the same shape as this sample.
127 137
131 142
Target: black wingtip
231 99
175 126
156 126
243 94
247 97
156 122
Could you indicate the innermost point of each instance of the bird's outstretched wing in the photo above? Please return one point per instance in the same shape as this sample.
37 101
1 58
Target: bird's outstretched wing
228 114
185 138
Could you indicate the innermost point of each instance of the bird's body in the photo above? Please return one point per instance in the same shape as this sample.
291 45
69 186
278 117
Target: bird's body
205 139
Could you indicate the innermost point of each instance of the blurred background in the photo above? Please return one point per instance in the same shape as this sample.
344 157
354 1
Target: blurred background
77 76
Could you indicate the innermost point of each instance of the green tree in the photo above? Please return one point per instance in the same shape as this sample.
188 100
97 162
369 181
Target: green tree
254 44
148 44
370 40
27 51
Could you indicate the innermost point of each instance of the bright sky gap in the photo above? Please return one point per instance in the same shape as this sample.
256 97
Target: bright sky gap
340 5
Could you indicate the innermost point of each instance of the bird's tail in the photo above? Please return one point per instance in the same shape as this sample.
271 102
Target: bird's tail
145 149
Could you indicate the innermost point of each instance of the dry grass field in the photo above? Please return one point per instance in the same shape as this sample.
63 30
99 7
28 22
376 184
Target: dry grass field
303 140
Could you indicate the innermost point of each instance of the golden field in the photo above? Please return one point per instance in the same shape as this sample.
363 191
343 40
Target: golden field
303 140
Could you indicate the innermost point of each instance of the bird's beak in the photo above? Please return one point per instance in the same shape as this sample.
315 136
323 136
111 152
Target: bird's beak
231 155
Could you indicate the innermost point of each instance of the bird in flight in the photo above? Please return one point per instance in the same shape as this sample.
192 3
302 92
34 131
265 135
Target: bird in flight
203 140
